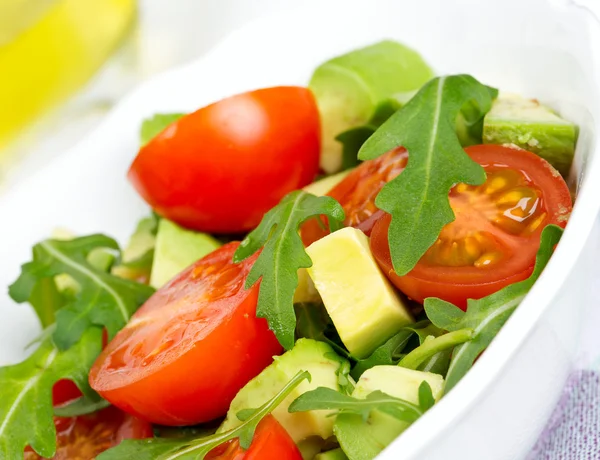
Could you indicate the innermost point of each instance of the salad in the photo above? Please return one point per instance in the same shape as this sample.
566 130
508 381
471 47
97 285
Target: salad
320 266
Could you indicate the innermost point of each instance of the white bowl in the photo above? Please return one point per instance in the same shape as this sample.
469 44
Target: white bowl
552 53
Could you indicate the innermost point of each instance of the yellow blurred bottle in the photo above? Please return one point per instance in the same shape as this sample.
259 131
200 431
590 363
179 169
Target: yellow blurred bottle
49 49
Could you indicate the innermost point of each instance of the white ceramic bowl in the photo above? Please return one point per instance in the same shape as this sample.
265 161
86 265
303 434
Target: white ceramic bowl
550 52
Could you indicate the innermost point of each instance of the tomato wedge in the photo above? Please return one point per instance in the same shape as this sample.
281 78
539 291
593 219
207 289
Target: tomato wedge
357 192
86 436
221 168
270 441
496 234
189 349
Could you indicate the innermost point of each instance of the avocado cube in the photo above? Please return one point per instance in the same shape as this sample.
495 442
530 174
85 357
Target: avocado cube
381 429
176 249
348 89
364 308
531 126
319 359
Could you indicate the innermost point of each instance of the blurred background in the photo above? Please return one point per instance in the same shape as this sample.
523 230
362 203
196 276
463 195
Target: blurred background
65 63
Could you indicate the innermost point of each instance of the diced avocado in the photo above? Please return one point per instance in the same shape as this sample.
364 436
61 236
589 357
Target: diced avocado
348 89
364 441
310 447
323 186
363 306
137 257
532 126
335 454
176 249
305 291
307 355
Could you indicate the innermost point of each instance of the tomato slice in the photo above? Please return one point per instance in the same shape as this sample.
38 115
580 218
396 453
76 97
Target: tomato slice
494 239
357 192
85 436
221 168
64 391
190 348
270 441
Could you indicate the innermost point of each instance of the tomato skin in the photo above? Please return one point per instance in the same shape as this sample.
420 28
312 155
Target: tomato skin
270 441
64 391
356 193
221 168
85 436
190 348
456 285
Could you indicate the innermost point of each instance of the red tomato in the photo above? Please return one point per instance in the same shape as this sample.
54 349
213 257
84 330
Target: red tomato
84 437
357 192
496 234
64 391
190 348
222 167
270 441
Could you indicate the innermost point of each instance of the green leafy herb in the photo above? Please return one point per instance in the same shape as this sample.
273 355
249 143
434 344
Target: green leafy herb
81 406
431 346
46 299
196 449
283 254
425 126
313 322
323 398
101 300
26 403
153 126
345 382
486 316
388 353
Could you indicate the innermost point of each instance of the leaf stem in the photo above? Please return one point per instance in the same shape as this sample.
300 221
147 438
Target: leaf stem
431 347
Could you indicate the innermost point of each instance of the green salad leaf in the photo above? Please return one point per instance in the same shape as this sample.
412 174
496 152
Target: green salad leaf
197 449
323 398
486 316
81 406
153 126
101 299
26 403
282 255
425 126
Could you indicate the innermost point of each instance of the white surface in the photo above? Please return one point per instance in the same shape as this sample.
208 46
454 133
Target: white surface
499 408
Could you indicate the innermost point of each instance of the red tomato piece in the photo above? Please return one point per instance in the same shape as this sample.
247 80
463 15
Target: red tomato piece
221 168
190 348
64 391
270 441
86 436
357 192
496 234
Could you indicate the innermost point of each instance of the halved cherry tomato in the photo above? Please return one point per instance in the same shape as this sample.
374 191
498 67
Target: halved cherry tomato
64 391
190 348
270 441
496 234
86 436
357 192
221 168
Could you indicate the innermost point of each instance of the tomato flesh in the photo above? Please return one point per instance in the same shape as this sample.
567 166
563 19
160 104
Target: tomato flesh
86 436
357 192
190 348
221 168
494 239
270 441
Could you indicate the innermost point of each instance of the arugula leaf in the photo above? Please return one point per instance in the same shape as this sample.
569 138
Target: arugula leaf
153 126
487 315
431 346
345 382
323 398
196 449
425 126
46 299
283 254
26 404
102 299
313 322
81 406
388 353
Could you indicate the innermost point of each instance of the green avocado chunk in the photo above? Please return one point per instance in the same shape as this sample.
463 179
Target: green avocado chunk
531 126
350 87
364 441
176 249
335 454
319 359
